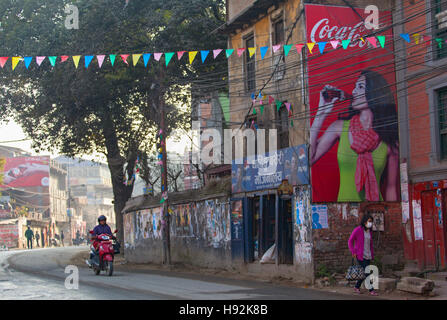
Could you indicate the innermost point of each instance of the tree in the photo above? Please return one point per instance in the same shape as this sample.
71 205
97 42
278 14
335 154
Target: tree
113 110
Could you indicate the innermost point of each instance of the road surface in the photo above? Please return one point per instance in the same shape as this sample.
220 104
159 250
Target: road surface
40 274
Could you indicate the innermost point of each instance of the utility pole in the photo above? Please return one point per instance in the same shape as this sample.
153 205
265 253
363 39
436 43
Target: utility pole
164 185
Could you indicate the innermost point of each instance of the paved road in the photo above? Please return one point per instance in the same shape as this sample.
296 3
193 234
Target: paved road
39 274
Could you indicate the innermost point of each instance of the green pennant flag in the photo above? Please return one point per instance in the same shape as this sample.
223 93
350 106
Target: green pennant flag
278 104
162 200
381 40
229 52
254 110
168 57
287 49
52 60
291 123
439 40
262 109
112 59
345 43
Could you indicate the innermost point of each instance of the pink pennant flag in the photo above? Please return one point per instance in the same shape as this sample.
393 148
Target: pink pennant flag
373 41
39 60
158 55
64 58
287 106
124 57
3 61
180 54
276 48
299 47
100 58
334 43
240 51
271 100
216 52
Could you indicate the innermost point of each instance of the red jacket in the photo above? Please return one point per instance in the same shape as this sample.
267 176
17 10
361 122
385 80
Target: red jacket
356 243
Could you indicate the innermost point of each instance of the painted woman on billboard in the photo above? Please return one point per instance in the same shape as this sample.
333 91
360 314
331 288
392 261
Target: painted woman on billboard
367 136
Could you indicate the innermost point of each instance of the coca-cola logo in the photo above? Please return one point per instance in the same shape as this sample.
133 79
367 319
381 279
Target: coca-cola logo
323 30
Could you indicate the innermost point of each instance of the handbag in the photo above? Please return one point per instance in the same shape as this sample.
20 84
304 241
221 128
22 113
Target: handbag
355 272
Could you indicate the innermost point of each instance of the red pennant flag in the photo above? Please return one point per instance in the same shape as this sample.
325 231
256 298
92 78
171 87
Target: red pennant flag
3 61
180 54
240 51
427 40
64 58
299 47
271 100
124 57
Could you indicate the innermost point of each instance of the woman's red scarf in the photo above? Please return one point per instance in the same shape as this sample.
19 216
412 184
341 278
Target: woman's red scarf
364 143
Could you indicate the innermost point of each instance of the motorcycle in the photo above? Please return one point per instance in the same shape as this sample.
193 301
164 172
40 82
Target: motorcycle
78 241
104 256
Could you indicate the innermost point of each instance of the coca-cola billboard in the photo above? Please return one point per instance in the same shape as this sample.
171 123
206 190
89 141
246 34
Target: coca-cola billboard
26 172
354 131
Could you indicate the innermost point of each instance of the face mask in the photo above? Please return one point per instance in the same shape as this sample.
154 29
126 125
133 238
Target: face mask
369 225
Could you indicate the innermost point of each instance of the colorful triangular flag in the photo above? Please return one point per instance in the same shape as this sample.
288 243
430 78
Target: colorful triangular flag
254 110
88 59
112 59
416 38
299 47
168 57
381 41
146 58
204 54
64 58
287 106
124 57
321 46
263 51
271 100
100 59
40 59
251 51
276 48
135 58
373 41
157 56
406 37
76 60
345 43
3 61
287 49
15 62
310 46
240 51
262 109
180 54
229 52
192 56
28 61
334 43
216 52
439 41
278 105
52 60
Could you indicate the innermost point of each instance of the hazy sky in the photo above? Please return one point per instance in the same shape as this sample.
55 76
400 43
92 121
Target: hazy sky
12 131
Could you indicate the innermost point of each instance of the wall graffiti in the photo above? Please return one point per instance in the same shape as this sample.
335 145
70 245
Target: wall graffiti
303 226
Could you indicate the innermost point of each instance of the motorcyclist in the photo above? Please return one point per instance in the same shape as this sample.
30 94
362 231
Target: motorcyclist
101 228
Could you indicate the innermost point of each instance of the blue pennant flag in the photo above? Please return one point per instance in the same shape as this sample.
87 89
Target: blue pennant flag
264 52
253 97
204 54
405 36
88 59
321 46
146 58
28 61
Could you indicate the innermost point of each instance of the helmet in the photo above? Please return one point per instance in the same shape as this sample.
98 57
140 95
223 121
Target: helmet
102 218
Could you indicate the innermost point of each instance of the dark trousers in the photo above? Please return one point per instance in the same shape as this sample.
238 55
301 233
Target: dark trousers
30 243
364 263
37 242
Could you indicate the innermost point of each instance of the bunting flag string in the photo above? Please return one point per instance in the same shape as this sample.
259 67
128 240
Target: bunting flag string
372 42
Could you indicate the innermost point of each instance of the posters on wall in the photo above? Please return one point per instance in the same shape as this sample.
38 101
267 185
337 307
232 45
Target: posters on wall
269 170
417 220
349 163
319 217
404 193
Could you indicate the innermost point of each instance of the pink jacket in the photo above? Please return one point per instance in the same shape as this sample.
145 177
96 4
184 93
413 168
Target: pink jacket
356 243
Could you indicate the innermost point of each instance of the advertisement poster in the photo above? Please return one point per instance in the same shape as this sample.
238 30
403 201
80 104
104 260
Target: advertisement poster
269 170
417 220
319 217
354 131
26 172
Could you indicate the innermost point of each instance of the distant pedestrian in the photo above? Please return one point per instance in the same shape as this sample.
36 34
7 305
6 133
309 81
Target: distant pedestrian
361 246
29 234
62 237
42 236
37 238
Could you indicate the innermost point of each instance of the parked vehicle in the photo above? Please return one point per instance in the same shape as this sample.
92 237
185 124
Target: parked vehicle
79 241
104 248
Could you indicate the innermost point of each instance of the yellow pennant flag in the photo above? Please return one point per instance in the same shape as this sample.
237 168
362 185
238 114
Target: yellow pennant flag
252 51
416 38
135 58
192 56
76 60
15 61
310 45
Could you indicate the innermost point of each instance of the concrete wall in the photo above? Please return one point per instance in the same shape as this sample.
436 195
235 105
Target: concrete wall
200 234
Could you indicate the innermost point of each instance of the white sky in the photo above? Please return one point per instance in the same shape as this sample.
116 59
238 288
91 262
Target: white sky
12 131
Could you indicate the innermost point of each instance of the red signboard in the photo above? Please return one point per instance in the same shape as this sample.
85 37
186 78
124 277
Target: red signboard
26 172
354 133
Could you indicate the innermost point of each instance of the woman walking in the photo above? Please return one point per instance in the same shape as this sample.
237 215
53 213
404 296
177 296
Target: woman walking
361 246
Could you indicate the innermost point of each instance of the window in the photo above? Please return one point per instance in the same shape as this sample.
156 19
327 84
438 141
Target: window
250 70
442 107
440 27
283 127
278 57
